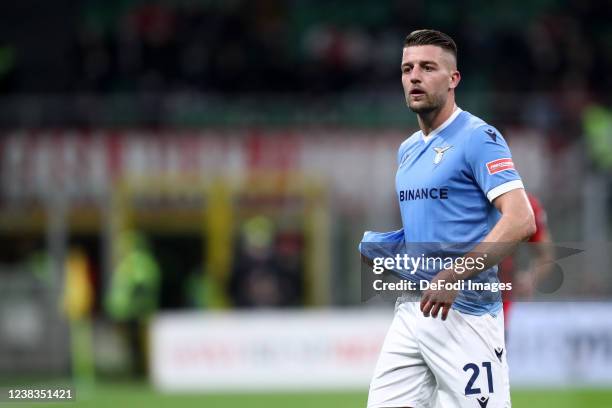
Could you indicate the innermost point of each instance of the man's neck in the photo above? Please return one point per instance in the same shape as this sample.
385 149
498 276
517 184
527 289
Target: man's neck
432 120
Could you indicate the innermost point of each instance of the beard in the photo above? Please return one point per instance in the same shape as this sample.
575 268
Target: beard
426 105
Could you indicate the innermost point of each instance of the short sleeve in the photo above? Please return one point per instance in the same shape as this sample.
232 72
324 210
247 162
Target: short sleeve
491 163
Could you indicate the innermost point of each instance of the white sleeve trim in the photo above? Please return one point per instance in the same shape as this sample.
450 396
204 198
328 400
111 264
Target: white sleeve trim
504 188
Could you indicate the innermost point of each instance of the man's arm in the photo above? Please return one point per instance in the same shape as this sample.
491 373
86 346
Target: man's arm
516 224
542 259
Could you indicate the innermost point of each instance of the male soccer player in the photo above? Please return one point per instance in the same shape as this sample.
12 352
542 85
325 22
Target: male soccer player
456 183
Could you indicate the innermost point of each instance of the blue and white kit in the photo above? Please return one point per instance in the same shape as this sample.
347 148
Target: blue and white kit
446 183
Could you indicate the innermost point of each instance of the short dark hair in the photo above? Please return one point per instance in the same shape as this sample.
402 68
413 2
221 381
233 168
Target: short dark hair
431 37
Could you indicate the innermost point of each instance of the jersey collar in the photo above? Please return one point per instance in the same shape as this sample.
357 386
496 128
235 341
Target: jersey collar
443 126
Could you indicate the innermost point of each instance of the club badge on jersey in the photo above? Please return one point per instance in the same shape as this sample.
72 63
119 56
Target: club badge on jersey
440 153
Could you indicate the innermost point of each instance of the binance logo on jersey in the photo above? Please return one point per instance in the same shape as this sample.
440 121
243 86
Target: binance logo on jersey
424 194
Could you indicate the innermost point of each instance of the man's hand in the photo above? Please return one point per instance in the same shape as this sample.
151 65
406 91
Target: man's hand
434 300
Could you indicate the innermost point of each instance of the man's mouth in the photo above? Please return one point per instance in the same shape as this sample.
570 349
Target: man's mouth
417 92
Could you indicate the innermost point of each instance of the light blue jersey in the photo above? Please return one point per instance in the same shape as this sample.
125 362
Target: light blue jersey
445 185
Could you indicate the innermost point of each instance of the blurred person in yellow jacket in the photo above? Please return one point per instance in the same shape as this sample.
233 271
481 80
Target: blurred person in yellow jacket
77 304
134 293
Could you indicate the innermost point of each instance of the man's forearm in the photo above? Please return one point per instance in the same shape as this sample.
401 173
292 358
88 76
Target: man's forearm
497 245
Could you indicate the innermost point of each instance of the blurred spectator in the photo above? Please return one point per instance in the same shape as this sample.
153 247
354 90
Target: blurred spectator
161 63
597 122
267 270
135 283
133 295
272 45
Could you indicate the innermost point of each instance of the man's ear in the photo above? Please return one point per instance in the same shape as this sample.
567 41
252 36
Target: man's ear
454 79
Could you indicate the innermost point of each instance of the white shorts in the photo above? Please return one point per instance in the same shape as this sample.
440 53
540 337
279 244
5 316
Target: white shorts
427 362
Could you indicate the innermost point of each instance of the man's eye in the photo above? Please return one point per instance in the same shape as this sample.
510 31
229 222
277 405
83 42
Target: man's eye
428 68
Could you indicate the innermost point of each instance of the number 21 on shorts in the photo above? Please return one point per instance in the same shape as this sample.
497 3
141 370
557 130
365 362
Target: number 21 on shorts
475 369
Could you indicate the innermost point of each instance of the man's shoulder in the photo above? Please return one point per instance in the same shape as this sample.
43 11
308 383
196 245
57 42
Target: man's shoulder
472 123
415 137
478 131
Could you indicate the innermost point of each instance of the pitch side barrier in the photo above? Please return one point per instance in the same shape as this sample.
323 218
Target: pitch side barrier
556 344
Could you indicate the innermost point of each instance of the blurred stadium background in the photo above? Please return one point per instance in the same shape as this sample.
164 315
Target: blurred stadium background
184 183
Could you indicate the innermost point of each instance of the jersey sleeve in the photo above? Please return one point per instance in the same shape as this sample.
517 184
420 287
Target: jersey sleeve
490 160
